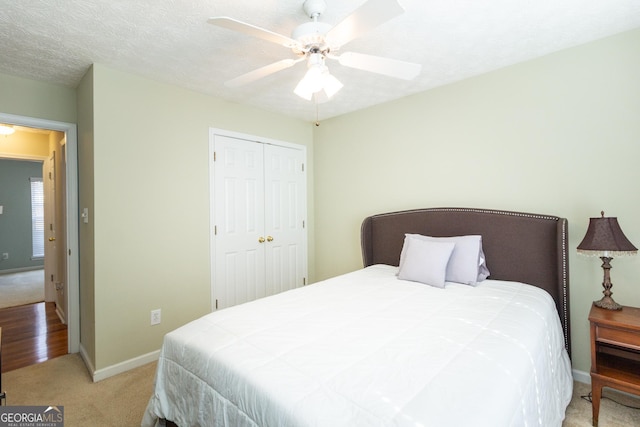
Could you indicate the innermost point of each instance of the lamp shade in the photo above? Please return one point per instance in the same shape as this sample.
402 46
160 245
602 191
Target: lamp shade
605 238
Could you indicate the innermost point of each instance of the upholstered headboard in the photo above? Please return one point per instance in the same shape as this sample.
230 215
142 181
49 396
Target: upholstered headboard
522 247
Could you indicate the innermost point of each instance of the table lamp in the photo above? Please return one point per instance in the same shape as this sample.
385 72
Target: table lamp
605 239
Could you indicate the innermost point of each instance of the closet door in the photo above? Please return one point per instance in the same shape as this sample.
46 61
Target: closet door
259 212
238 253
285 214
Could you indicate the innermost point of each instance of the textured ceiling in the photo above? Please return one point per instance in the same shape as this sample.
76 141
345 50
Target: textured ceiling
170 41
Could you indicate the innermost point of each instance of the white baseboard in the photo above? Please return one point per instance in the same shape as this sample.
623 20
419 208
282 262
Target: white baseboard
110 371
581 376
127 365
60 315
85 358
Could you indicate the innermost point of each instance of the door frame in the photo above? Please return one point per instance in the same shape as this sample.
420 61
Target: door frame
72 224
50 254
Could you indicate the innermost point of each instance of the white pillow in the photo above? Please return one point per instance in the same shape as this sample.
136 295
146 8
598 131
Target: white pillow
425 261
467 264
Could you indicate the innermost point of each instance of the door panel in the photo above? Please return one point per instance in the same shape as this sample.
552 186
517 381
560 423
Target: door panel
239 215
285 212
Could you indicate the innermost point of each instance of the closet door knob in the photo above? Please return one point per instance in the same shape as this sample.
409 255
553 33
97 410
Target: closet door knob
269 239
261 239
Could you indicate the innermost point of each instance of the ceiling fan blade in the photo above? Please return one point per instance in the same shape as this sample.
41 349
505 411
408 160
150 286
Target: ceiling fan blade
252 30
365 18
261 72
377 64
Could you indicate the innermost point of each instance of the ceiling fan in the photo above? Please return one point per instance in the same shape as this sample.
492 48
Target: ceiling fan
317 41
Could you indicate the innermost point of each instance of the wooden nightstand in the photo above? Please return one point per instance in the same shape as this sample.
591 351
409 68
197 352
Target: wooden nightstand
615 352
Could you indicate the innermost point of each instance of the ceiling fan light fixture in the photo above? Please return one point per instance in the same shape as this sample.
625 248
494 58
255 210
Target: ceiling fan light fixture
316 79
309 84
331 85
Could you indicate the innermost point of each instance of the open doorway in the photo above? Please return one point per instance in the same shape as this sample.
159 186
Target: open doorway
22 247
33 191
61 260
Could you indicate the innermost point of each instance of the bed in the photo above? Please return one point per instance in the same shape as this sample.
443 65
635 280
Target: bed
373 348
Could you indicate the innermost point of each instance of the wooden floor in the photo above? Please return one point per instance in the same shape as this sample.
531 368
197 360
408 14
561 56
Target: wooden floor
31 334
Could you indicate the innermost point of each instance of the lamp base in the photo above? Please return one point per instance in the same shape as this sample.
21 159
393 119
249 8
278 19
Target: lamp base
608 303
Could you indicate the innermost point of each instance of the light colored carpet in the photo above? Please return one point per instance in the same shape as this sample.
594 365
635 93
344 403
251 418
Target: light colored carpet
21 288
65 381
613 412
122 399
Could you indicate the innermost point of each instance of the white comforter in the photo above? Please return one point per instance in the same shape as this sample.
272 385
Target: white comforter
367 349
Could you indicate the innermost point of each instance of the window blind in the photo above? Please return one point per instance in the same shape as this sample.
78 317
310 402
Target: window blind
37 217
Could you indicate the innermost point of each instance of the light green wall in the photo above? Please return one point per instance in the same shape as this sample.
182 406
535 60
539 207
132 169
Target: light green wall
15 221
86 230
24 97
151 204
558 135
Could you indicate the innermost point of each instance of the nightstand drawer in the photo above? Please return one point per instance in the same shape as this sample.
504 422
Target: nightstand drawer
621 337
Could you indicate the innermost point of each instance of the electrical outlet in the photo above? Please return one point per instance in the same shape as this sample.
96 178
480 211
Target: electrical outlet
155 316
5 255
